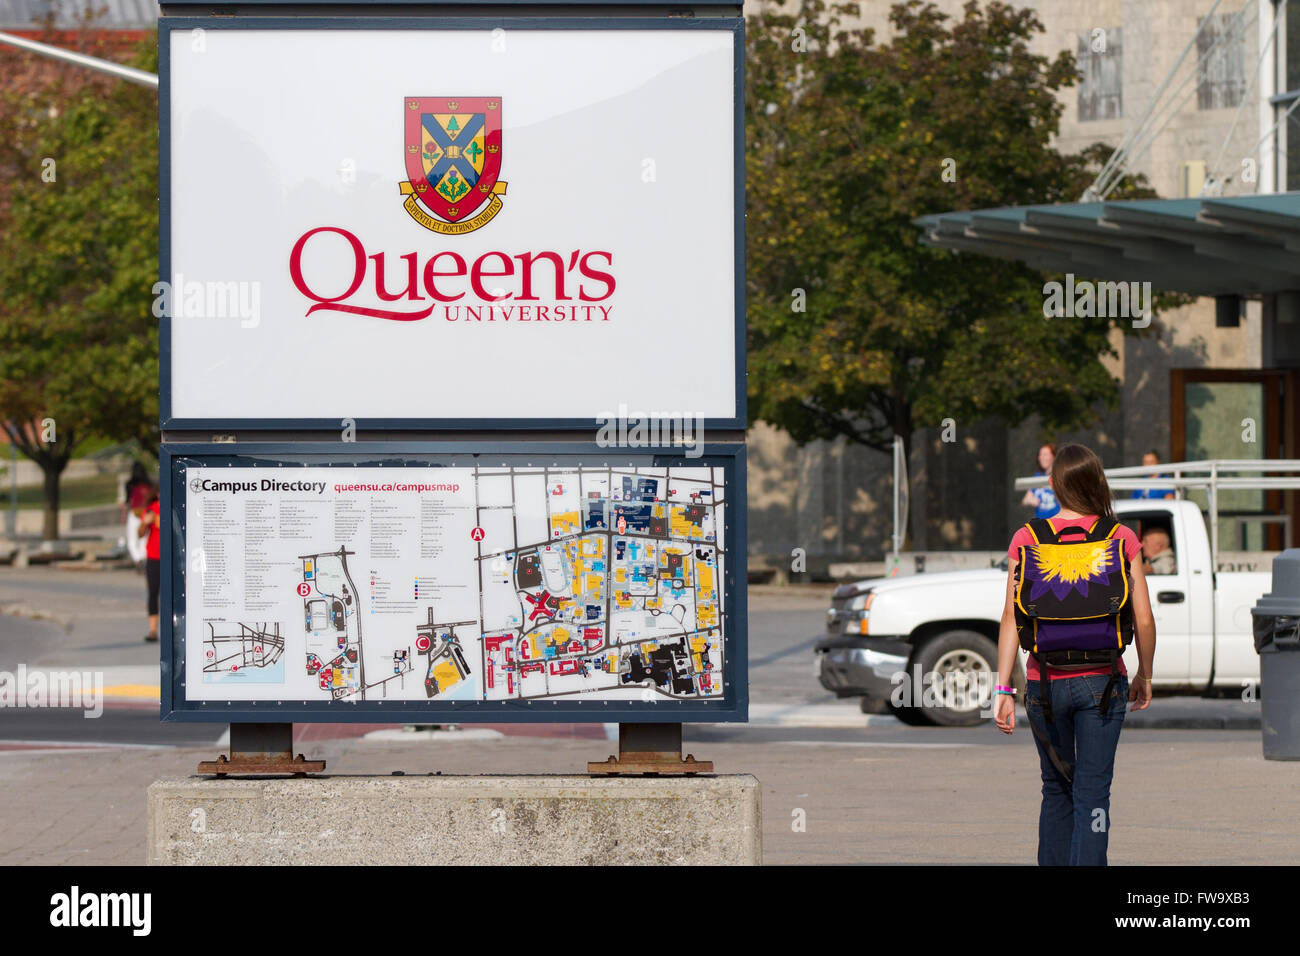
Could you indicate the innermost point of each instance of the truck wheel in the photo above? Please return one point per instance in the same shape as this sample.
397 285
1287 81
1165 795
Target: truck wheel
964 664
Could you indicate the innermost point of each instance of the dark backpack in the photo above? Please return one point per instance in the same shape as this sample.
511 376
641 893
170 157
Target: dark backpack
1074 600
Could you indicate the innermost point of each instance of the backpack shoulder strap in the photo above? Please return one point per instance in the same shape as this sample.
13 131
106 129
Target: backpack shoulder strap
1040 529
1104 528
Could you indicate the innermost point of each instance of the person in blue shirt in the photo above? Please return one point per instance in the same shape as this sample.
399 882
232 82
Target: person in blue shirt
1151 458
1042 500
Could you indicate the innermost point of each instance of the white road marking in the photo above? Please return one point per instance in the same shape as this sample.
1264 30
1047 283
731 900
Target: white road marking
433 736
871 743
833 714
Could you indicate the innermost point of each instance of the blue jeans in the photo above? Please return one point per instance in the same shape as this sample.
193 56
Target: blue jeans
1074 823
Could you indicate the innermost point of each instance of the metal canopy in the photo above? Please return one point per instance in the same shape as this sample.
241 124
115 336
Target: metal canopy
1243 245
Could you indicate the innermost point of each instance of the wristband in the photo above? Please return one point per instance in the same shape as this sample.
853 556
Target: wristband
1001 689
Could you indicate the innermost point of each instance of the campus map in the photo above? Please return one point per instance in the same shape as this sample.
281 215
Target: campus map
459 584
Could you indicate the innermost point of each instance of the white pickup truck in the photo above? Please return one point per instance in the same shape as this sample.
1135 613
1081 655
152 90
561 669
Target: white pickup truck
884 632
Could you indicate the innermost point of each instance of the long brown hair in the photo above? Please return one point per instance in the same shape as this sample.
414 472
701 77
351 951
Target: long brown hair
1080 483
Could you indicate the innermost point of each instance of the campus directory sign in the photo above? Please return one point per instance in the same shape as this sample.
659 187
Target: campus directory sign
450 223
378 582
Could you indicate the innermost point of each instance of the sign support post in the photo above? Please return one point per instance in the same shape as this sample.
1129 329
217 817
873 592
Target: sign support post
650 748
257 748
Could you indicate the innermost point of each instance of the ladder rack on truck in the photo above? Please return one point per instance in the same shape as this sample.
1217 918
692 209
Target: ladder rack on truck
1211 476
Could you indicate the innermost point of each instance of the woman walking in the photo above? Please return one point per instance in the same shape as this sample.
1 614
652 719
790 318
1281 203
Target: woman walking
1076 710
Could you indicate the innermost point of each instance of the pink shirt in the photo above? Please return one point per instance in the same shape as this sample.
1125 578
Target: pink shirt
1132 548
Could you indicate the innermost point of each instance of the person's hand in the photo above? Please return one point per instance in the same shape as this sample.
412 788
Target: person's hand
1004 712
1139 693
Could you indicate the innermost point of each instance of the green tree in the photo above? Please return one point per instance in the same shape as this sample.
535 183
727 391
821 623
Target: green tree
855 327
79 234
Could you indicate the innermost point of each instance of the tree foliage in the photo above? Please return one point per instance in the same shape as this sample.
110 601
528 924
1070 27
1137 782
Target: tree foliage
79 234
848 140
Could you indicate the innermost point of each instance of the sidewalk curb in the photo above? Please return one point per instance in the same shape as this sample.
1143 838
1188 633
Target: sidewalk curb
18 609
1192 723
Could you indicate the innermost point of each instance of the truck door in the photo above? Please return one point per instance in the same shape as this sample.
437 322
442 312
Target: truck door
1169 581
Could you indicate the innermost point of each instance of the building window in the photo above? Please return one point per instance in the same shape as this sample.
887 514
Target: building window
1221 61
1291 69
1101 78
1289 160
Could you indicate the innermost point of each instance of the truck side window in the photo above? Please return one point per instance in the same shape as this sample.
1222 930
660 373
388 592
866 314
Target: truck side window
1158 551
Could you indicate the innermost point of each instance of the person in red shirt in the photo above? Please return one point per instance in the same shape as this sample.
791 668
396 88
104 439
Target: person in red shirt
138 488
1084 739
150 524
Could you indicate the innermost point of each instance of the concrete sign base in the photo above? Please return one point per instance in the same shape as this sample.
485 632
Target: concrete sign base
402 820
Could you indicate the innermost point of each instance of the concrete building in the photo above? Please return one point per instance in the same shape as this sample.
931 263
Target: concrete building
1222 87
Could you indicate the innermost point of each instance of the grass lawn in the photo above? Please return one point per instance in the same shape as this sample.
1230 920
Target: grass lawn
74 493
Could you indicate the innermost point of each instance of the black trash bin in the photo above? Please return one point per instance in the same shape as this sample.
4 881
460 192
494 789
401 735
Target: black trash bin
1277 639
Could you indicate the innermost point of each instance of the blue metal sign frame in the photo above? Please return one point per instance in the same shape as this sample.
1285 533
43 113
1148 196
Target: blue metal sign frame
732 706
168 25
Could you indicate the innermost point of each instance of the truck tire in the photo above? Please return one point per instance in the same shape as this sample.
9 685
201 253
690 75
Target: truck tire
966 661
873 705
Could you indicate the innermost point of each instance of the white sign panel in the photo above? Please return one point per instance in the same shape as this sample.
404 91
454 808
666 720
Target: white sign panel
519 225
454 584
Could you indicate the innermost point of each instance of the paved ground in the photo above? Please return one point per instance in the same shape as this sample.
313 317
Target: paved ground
838 787
92 618
1181 797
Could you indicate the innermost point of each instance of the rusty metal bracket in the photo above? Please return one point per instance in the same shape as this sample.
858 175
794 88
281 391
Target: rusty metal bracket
261 749
651 749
